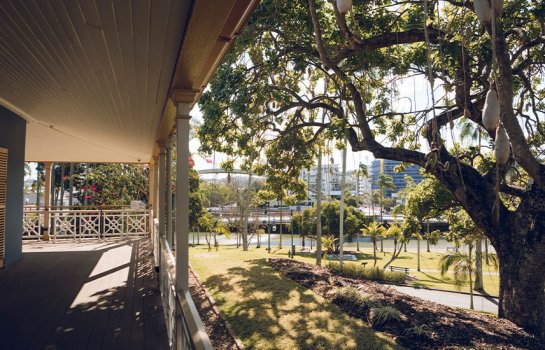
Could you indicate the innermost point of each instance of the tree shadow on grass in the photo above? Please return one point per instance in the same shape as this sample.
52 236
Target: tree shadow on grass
431 278
364 256
269 311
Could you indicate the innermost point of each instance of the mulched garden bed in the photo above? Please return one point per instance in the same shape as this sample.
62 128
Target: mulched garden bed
444 327
216 327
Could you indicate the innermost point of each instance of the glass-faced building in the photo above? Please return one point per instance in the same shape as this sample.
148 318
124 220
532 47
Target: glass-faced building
387 166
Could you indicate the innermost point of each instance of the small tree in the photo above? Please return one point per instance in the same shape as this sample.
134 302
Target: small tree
463 267
213 227
374 230
396 233
353 221
329 243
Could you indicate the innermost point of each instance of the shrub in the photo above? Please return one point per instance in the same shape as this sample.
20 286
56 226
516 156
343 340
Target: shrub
384 314
419 331
355 297
370 273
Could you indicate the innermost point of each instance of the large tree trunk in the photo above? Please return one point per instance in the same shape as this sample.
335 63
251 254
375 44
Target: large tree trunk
522 283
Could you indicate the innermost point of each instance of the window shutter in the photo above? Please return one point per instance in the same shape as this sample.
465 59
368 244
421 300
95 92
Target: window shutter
3 201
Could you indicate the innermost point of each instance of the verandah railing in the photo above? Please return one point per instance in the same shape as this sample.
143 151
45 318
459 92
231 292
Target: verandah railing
184 325
91 223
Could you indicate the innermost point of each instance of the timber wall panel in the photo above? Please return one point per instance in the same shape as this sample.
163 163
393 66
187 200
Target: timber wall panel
3 201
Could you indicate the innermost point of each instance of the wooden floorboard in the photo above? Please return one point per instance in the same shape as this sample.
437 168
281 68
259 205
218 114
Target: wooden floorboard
82 295
123 339
137 319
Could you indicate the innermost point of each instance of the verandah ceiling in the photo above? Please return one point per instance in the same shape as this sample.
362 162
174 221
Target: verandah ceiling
92 77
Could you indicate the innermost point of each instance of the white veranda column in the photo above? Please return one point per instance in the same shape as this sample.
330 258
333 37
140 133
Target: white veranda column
155 199
161 206
168 195
182 196
151 188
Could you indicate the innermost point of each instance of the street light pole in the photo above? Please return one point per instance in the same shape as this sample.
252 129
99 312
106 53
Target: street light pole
269 230
301 229
292 245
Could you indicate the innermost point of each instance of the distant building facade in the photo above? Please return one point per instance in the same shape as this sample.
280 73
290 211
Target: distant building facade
387 166
331 180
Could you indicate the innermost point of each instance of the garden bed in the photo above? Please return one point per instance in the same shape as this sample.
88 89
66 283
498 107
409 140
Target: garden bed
420 325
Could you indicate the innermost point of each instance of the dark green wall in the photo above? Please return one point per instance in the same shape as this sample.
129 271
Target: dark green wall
12 137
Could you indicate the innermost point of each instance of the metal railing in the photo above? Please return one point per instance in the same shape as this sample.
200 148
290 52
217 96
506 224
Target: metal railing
86 223
184 326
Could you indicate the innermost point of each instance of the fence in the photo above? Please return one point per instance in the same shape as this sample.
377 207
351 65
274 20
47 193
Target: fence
92 223
184 326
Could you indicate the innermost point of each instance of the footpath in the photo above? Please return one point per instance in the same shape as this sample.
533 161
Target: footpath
480 302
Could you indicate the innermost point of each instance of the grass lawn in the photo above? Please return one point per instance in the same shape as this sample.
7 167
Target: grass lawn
269 311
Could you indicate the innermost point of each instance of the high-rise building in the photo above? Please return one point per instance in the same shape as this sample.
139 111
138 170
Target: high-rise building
331 179
386 166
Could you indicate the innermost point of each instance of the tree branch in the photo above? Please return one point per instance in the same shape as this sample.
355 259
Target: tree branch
521 151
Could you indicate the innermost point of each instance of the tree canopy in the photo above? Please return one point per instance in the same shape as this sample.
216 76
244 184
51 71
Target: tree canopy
302 73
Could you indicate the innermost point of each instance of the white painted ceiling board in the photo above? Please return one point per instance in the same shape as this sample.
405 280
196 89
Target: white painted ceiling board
97 71
66 148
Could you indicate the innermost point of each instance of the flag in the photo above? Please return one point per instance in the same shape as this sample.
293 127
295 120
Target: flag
208 161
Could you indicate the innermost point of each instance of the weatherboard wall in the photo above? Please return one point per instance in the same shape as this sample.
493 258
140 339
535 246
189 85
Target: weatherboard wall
12 137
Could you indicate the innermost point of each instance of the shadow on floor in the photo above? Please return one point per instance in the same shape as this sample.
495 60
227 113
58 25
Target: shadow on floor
96 299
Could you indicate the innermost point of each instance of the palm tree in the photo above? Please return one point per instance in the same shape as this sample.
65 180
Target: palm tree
384 182
396 232
463 267
219 228
374 230
375 199
361 171
213 226
469 130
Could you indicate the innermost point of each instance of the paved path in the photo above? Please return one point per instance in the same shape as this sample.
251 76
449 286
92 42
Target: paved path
491 273
481 303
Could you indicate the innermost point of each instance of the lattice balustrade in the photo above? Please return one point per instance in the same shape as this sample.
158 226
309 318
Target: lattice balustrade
65 225
137 223
87 223
114 223
31 224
